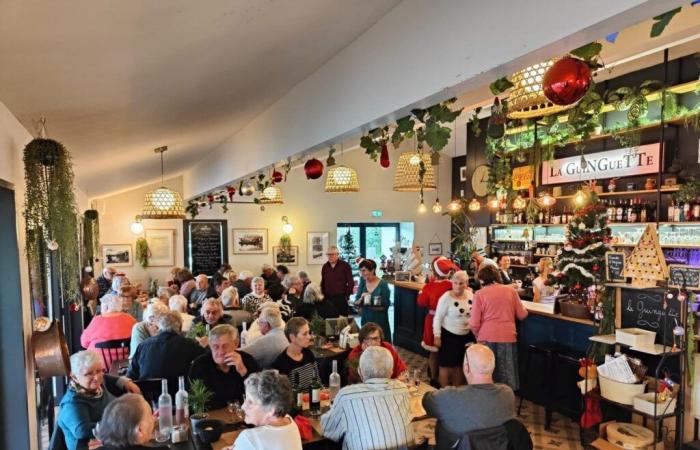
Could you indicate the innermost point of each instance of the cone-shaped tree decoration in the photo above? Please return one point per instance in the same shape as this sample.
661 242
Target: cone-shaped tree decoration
647 265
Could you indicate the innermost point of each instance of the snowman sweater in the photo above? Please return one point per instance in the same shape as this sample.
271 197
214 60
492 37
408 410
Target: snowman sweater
452 314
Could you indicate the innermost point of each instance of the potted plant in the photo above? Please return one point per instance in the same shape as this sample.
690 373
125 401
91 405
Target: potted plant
197 330
199 396
318 328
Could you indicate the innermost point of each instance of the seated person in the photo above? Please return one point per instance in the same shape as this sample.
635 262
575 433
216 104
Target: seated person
219 285
304 279
314 303
164 293
109 325
267 403
179 303
254 299
165 355
276 293
297 358
232 307
223 369
242 284
185 280
127 424
130 303
269 275
272 341
148 327
372 335
212 313
254 326
375 413
294 291
200 291
89 392
481 403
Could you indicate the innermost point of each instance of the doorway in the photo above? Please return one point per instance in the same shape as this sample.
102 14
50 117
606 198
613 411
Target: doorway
369 240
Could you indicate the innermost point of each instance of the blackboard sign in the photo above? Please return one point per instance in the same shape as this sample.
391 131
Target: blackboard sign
643 308
615 264
683 276
206 245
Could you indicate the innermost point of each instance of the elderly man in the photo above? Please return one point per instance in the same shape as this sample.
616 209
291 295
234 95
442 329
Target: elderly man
294 291
481 404
337 282
269 275
104 281
165 355
273 340
212 313
375 413
200 291
242 284
223 369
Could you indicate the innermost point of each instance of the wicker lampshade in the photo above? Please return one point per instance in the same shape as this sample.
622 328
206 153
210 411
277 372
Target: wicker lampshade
406 177
163 203
271 195
342 179
527 97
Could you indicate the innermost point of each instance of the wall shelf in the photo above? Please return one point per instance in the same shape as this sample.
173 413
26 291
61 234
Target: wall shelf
663 190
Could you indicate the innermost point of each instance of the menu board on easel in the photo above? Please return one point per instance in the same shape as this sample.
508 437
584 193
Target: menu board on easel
206 245
615 265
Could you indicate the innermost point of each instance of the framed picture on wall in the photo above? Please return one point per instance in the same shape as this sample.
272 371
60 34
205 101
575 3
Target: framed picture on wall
316 247
161 244
249 241
435 248
289 256
117 255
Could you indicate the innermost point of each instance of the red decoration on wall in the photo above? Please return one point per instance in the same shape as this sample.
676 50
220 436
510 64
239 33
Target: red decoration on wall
595 267
567 81
313 169
276 177
210 199
384 157
231 191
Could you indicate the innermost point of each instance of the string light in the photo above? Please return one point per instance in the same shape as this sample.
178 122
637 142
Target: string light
580 198
547 200
422 208
474 205
137 226
437 207
454 206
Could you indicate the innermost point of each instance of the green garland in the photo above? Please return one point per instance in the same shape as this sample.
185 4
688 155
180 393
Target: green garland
143 253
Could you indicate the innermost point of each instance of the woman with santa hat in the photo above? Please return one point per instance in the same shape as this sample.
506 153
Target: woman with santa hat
428 297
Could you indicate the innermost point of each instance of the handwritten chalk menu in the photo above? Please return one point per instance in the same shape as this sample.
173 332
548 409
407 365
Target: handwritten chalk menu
615 264
684 276
643 308
206 245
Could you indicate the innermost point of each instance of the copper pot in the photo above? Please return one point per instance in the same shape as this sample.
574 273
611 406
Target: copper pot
51 352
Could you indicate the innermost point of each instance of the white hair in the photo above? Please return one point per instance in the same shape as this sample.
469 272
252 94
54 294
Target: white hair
229 296
376 362
154 310
178 303
170 321
289 280
481 359
245 274
165 291
213 301
312 293
460 274
118 281
84 359
110 303
256 279
271 316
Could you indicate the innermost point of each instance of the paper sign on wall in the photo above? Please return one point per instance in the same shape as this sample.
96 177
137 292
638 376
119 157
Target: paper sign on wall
522 176
614 163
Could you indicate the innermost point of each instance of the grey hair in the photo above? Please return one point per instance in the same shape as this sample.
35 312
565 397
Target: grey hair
271 390
333 247
289 280
460 274
154 310
271 316
165 290
120 419
84 359
110 303
178 303
118 281
313 293
256 279
245 274
229 296
303 275
223 330
170 321
376 362
213 301
481 359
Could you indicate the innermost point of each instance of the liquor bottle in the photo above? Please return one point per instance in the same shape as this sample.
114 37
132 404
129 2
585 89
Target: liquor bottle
696 211
686 212
498 217
644 212
618 212
611 211
244 335
677 208
165 413
182 403
540 217
632 214
207 327
315 394
651 214
671 211
298 396
334 381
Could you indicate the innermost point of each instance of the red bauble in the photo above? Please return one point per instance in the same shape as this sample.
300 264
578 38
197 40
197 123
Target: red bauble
384 157
313 169
577 286
595 267
566 81
277 177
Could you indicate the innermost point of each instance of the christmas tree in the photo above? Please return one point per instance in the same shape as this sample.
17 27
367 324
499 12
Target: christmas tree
348 251
581 263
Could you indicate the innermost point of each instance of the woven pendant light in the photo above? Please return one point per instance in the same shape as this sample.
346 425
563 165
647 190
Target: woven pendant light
342 179
527 98
163 203
271 195
406 176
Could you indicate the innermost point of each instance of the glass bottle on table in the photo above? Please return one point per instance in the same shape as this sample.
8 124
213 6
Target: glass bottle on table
334 381
315 394
182 403
244 335
165 413
297 396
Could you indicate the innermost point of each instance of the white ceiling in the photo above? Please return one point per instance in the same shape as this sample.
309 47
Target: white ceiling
117 79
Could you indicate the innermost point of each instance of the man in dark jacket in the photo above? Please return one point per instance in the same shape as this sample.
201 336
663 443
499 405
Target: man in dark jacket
337 282
104 281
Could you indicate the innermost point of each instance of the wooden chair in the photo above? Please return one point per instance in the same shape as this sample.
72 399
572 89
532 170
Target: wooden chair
114 350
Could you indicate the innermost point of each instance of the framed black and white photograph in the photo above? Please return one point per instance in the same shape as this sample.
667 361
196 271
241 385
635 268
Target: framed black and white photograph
117 255
435 248
249 241
316 246
289 256
161 244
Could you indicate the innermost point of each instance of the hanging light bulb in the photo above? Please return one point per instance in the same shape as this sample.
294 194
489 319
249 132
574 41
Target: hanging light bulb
494 203
414 160
437 207
519 202
137 226
474 205
547 200
287 227
501 194
580 198
454 205
422 208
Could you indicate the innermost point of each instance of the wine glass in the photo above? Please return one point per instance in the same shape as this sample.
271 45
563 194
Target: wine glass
234 408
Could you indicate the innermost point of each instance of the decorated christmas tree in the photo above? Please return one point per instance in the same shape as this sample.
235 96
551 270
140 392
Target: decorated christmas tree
581 263
348 250
647 265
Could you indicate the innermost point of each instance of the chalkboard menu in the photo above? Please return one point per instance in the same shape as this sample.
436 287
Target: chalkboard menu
206 245
684 276
643 308
615 264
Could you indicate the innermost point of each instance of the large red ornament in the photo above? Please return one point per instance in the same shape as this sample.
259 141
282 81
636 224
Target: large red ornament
384 157
313 169
276 177
567 81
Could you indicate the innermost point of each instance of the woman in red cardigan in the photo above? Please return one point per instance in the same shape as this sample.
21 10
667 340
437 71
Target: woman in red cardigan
371 334
428 297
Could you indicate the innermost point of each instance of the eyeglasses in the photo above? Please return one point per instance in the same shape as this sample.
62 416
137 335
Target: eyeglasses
372 339
331 254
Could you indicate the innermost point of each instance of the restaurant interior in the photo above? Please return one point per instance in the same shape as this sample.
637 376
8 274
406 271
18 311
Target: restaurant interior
152 152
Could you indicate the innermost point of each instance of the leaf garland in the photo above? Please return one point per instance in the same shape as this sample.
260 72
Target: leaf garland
373 142
143 253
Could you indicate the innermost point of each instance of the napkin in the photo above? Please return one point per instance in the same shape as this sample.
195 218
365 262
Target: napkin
305 429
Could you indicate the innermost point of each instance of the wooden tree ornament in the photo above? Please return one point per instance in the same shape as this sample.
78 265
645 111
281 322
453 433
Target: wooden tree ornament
647 265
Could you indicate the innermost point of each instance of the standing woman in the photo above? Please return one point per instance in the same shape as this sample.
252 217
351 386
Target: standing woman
428 297
374 287
451 329
496 308
539 288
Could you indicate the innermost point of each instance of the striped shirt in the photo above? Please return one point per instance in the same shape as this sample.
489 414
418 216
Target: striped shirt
306 368
370 416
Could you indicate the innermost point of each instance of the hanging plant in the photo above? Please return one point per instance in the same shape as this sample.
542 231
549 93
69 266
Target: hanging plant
91 235
143 253
633 99
192 209
51 215
375 142
474 122
434 133
285 242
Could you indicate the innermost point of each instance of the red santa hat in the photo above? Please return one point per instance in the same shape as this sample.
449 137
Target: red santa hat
442 266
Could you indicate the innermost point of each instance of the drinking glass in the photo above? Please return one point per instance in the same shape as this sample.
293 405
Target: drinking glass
233 407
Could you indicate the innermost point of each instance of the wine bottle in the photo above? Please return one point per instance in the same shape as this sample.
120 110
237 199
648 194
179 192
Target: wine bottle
298 396
632 212
334 381
686 212
644 212
315 394
165 413
618 212
182 403
671 211
244 335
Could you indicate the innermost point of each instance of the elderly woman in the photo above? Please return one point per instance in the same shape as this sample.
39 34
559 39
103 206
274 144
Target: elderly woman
313 303
304 279
267 403
164 293
127 424
232 307
297 361
373 297
372 335
148 327
451 329
252 301
87 396
118 281
179 303
130 304
495 310
293 291
111 324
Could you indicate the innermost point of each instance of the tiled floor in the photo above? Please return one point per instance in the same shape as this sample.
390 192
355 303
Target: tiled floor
563 434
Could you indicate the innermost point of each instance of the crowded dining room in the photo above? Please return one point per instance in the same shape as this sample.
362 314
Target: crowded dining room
211 241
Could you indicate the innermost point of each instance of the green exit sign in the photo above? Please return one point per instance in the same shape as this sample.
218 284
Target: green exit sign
377 213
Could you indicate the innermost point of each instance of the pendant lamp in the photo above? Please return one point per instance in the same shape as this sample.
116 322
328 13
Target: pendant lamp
527 98
163 203
342 178
406 178
271 195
